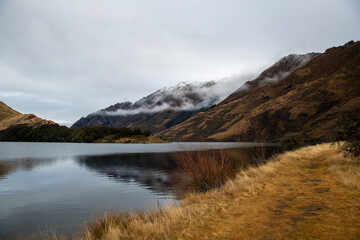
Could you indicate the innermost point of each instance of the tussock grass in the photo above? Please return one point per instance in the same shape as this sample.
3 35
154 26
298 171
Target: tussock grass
206 169
347 168
253 178
125 225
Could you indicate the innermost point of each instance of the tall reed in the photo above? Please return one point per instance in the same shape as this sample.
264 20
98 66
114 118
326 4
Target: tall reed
206 169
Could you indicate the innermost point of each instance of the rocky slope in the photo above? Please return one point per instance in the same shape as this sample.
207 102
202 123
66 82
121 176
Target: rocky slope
307 100
170 106
9 117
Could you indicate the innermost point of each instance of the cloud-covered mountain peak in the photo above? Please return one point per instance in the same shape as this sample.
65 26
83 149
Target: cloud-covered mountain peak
183 96
193 96
280 69
174 104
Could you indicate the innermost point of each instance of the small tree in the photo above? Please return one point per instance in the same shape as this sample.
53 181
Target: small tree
146 132
137 131
291 141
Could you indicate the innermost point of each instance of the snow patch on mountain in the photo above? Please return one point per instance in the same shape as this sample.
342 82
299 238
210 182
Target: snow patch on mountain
194 96
185 96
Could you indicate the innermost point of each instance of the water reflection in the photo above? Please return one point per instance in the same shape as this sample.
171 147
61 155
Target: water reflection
9 166
152 171
155 170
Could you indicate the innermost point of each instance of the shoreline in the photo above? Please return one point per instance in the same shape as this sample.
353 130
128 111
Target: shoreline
307 193
312 192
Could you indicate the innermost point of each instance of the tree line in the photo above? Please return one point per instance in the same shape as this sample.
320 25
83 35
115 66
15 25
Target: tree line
56 133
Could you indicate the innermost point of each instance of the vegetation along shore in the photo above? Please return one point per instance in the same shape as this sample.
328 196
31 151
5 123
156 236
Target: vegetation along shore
56 133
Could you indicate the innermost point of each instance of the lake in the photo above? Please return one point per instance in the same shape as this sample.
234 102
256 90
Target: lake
58 186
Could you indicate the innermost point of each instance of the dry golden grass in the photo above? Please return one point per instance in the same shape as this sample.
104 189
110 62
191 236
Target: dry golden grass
28 119
6 111
9 117
347 169
293 196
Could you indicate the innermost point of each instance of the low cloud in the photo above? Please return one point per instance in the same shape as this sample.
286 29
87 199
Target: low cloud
295 61
182 97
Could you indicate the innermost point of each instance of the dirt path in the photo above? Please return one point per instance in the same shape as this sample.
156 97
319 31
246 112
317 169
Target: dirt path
303 200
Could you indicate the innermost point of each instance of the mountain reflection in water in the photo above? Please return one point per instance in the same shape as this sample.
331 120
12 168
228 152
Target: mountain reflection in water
27 164
151 170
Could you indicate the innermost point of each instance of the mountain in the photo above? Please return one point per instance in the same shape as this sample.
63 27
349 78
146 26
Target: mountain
277 71
172 105
157 111
163 108
306 100
9 117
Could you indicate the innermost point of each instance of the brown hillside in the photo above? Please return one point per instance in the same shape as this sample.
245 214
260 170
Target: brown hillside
6 112
9 117
307 101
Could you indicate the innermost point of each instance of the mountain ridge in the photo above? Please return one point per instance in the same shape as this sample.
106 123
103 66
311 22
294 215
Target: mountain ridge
306 101
169 106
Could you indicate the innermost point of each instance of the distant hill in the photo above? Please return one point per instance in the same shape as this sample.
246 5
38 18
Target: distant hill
9 117
306 100
6 111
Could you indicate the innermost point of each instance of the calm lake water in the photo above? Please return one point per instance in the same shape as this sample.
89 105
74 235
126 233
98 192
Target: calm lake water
58 186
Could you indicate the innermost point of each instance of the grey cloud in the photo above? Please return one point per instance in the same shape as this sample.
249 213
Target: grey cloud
87 54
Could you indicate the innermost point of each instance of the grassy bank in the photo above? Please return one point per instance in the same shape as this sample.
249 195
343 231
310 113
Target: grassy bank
309 193
313 192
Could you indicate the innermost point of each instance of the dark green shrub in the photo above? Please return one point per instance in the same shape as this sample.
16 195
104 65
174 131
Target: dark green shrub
122 132
56 133
146 132
347 130
137 131
291 141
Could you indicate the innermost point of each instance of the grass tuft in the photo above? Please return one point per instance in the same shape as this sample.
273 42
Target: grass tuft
205 170
347 168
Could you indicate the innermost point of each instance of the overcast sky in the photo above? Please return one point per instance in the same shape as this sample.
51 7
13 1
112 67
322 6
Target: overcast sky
65 59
